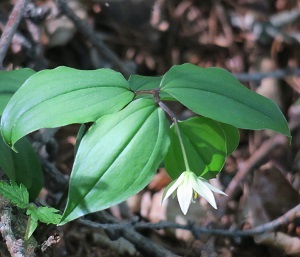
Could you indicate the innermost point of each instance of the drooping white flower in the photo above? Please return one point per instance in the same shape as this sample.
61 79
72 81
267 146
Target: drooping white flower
186 185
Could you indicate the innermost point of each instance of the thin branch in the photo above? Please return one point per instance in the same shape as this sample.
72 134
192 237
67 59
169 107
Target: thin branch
227 28
284 219
141 243
52 240
258 158
271 74
87 31
11 27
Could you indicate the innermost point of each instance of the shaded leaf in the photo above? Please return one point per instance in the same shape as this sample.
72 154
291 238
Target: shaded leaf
205 145
23 167
232 136
117 157
81 132
10 82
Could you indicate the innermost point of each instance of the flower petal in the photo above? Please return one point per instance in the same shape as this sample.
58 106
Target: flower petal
203 190
184 195
214 189
172 187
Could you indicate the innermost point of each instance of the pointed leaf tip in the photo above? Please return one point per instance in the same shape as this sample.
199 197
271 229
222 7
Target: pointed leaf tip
217 94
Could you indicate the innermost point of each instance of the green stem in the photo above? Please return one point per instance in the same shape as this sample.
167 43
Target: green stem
27 233
154 92
172 115
186 163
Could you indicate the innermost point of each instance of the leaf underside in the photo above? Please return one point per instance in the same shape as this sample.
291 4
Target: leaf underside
205 145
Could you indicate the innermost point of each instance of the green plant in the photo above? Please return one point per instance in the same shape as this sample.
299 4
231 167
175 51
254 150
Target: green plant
19 196
23 167
131 135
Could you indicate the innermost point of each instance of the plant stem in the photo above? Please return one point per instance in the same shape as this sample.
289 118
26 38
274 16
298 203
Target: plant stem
172 115
27 233
144 92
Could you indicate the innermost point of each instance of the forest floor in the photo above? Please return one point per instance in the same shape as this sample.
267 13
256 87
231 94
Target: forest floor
258 41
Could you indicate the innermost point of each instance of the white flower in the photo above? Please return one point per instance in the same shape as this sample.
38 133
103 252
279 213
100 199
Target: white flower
187 184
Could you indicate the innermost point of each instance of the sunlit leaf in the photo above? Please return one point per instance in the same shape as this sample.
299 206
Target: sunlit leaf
139 82
116 158
17 195
216 94
48 215
53 98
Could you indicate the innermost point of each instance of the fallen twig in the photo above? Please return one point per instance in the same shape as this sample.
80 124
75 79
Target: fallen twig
224 21
258 76
256 160
284 219
141 243
11 27
52 240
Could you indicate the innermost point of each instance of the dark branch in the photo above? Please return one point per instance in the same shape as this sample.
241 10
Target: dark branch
11 27
271 74
284 219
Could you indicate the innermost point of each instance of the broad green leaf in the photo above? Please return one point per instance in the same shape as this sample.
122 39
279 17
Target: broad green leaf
17 195
53 98
205 145
22 167
216 94
10 82
140 83
48 215
116 158
232 136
